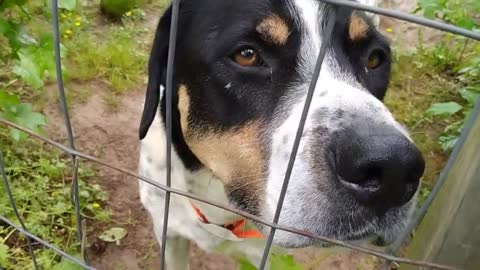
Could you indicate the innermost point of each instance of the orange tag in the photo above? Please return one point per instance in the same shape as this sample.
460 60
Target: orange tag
232 231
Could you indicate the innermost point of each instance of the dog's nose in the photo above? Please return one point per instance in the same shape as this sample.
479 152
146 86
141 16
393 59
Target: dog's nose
381 169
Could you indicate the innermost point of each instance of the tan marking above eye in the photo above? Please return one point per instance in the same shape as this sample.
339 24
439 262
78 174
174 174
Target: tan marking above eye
274 29
358 27
247 58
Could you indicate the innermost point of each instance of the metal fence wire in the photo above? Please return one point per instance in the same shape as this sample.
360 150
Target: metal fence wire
76 155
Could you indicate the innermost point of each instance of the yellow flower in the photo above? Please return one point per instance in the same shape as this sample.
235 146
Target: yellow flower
68 32
96 205
389 30
64 16
78 23
65 36
129 13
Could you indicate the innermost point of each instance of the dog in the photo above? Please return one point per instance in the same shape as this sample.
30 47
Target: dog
241 75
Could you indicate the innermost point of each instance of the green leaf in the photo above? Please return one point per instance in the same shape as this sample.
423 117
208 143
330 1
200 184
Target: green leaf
244 264
470 94
67 4
21 114
448 142
36 62
13 33
444 109
113 235
7 100
28 71
430 7
284 262
4 254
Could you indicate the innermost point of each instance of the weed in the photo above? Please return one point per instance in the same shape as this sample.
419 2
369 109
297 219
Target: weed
40 180
457 60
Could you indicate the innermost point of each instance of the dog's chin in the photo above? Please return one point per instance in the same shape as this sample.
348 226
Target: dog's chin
370 239
385 232
303 242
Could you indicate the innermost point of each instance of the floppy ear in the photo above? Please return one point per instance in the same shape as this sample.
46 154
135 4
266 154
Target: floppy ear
157 68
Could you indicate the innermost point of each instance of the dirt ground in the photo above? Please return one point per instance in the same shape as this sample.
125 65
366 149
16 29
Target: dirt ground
113 137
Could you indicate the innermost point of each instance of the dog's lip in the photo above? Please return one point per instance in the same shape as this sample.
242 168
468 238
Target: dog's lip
350 238
369 239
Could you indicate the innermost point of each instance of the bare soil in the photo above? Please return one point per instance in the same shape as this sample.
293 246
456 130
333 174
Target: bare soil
112 136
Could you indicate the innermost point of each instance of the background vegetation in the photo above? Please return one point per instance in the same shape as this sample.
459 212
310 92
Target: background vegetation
433 91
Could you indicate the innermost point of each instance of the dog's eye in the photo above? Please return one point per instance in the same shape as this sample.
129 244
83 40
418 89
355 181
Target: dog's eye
375 59
247 57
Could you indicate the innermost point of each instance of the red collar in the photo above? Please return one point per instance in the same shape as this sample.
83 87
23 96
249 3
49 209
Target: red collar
237 227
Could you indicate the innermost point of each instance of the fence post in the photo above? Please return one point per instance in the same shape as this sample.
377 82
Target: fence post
450 231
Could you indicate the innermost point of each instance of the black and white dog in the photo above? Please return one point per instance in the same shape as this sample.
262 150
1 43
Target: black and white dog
241 75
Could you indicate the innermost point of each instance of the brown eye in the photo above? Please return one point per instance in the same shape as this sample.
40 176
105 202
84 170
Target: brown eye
247 58
374 60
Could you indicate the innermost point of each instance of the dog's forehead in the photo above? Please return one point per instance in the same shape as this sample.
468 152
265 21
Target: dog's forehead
273 19
224 12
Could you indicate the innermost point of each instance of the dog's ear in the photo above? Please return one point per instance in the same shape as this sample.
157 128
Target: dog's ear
157 68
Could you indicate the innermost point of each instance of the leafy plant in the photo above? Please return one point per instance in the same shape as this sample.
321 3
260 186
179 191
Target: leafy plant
36 62
450 58
447 109
40 181
463 13
12 109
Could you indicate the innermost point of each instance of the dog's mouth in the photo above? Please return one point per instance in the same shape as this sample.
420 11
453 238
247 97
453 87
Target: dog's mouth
349 237
374 231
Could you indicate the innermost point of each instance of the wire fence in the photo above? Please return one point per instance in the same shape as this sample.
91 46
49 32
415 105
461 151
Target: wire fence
76 155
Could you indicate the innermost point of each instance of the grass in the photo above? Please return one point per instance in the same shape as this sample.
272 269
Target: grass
115 59
40 180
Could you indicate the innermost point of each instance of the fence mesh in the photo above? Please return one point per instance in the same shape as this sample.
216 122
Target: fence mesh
76 155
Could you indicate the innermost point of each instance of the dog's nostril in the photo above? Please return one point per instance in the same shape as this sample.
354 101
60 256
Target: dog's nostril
370 172
380 172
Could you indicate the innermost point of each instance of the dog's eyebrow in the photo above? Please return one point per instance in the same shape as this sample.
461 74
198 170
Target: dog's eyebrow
358 27
274 29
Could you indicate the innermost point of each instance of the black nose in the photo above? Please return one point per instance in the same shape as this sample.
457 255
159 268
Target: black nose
381 169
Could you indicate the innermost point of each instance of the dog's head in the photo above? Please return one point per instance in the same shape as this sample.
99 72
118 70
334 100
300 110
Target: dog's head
241 74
